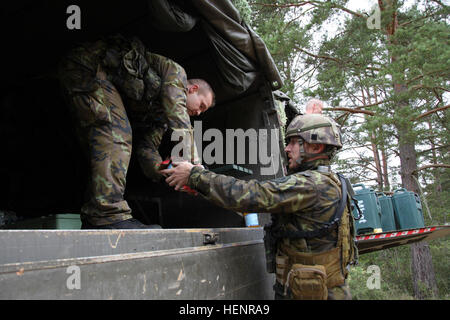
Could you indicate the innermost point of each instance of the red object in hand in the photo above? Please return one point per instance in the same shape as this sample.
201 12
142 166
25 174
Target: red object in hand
189 190
167 164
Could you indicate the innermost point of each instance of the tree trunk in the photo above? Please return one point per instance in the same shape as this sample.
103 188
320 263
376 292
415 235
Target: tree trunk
387 184
376 159
376 156
421 260
436 174
423 271
424 278
381 164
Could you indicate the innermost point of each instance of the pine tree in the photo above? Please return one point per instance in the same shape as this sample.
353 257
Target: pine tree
385 75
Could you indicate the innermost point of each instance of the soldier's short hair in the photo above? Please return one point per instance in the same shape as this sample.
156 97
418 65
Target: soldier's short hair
204 87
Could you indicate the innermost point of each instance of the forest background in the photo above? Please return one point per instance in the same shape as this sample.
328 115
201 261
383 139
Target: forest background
382 68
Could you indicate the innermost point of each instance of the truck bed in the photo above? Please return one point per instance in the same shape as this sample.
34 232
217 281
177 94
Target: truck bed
222 263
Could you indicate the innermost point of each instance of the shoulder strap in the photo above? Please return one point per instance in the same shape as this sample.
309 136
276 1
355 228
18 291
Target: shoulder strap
343 202
333 223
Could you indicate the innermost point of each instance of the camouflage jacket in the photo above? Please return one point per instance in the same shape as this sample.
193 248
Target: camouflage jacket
305 200
154 88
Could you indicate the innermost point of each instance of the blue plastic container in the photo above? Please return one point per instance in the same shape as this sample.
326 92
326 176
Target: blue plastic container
251 220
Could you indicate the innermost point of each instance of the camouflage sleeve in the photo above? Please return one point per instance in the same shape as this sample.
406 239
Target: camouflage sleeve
173 90
148 154
173 100
283 195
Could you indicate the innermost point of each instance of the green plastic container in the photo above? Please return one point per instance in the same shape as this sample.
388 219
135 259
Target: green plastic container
407 209
65 221
370 208
387 212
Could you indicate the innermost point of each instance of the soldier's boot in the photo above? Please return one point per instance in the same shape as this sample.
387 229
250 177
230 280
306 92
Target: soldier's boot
125 224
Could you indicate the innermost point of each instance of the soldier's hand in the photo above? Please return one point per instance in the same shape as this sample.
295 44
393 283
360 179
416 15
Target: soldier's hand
179 174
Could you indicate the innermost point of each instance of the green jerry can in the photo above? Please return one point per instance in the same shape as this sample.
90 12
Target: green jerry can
369 205
407 209
63 221
387 212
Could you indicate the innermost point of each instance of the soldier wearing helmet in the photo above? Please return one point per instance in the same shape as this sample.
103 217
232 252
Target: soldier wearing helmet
312 224
311 137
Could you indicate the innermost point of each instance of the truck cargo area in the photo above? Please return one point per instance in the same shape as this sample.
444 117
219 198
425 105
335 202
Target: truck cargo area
132 264
202 252
43 169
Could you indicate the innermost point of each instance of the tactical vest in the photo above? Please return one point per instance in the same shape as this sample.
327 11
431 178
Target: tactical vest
309 275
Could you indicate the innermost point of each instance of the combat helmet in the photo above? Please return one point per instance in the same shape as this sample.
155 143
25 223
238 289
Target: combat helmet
315 128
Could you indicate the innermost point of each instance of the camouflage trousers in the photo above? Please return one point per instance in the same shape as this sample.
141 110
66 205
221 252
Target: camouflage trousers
105 135
336 293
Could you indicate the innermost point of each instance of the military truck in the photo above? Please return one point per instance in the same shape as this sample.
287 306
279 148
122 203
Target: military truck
202 252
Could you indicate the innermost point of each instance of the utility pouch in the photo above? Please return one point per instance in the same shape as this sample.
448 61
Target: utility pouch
307 282
281 266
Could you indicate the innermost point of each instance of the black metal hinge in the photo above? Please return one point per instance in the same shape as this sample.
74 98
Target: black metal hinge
210 238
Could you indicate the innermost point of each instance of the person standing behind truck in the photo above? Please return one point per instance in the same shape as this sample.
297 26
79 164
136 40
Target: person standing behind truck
314 226
108 85
314 106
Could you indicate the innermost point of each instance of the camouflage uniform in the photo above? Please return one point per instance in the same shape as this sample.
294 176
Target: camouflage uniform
113 85
305 201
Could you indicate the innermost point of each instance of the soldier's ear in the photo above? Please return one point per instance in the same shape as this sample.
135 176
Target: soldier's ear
192 88
314 147
319 147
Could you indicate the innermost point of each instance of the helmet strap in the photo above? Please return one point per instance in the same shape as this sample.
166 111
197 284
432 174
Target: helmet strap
304 155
